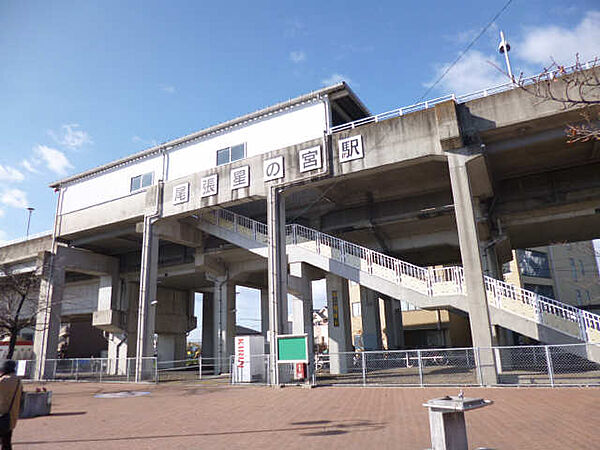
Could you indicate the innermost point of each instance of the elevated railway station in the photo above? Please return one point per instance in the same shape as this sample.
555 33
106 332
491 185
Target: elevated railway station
422 204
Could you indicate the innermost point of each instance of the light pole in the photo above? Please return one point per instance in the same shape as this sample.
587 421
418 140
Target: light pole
504 48
30 209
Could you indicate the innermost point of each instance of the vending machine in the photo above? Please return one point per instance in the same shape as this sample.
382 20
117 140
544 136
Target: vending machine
249 362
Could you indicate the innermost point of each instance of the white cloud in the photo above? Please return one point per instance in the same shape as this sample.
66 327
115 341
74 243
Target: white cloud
337 78
1 213
30 165
297 56
70 136
8 173
471 73
54 159
543 43
169 89
14 197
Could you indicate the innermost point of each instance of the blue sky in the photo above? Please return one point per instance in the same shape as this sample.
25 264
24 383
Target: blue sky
83 83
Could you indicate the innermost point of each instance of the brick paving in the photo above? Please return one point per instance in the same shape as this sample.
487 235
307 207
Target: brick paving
207 416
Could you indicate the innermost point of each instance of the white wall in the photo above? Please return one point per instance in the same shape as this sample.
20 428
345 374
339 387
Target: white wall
289 127
108 185
277 131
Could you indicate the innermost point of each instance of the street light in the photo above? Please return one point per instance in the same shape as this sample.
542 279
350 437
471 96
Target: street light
504 48
30 209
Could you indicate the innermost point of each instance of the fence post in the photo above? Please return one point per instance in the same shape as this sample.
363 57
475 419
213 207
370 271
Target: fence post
155 370
54 373
101 369
199 367
254 230
364 368
76 369
549 365
478 364
420 367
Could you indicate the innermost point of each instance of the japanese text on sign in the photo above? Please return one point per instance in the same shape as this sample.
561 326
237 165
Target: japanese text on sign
335 309
350 148
310 159
273 169
240 177
209 185
181 193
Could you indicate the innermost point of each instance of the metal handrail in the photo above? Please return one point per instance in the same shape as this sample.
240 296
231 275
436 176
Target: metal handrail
431 277
461 98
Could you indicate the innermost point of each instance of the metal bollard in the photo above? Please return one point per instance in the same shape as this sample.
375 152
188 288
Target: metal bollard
447 420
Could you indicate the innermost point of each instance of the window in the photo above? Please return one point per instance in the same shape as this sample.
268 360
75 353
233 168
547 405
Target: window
230 154
582 267
541 289
356 309
578 296
533 264
573 269
141 181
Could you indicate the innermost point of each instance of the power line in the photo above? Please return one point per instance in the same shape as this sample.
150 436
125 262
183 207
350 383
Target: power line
467 48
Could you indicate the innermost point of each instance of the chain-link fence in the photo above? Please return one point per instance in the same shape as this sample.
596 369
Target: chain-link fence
207 369
253 369
99 370
547 365
541 365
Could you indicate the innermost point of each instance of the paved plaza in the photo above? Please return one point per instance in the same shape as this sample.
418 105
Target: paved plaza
211 416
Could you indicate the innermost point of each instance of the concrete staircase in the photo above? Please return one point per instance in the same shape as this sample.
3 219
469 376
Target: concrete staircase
511 307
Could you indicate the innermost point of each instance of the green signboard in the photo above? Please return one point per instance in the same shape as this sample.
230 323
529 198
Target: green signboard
292 348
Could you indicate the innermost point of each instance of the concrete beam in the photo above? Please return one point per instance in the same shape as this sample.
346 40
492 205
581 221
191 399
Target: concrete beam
177 232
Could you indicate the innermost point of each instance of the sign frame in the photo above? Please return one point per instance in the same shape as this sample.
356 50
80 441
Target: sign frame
283 337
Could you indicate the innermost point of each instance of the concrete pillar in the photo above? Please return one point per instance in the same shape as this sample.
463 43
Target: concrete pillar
277 274
224 324
302 322
146 302
297 315
371 323
339 327
264 317
117 354
465 209
208 326
393 323
45 343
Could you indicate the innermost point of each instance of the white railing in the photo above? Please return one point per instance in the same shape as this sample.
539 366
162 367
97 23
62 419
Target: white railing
429 281
24 239
462 98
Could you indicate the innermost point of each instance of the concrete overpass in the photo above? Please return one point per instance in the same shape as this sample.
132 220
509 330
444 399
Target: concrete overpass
451 182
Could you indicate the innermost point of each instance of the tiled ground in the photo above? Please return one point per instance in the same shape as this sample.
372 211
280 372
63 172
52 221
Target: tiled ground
212 417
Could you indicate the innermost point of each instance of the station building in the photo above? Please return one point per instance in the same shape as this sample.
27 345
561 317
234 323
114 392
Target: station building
423 204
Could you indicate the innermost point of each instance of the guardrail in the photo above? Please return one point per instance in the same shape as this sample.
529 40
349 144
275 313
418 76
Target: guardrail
461 98
429 281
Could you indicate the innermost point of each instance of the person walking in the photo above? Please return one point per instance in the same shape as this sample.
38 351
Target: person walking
10 402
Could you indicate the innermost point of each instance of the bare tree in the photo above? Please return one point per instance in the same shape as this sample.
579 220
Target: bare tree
576 86
18 303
